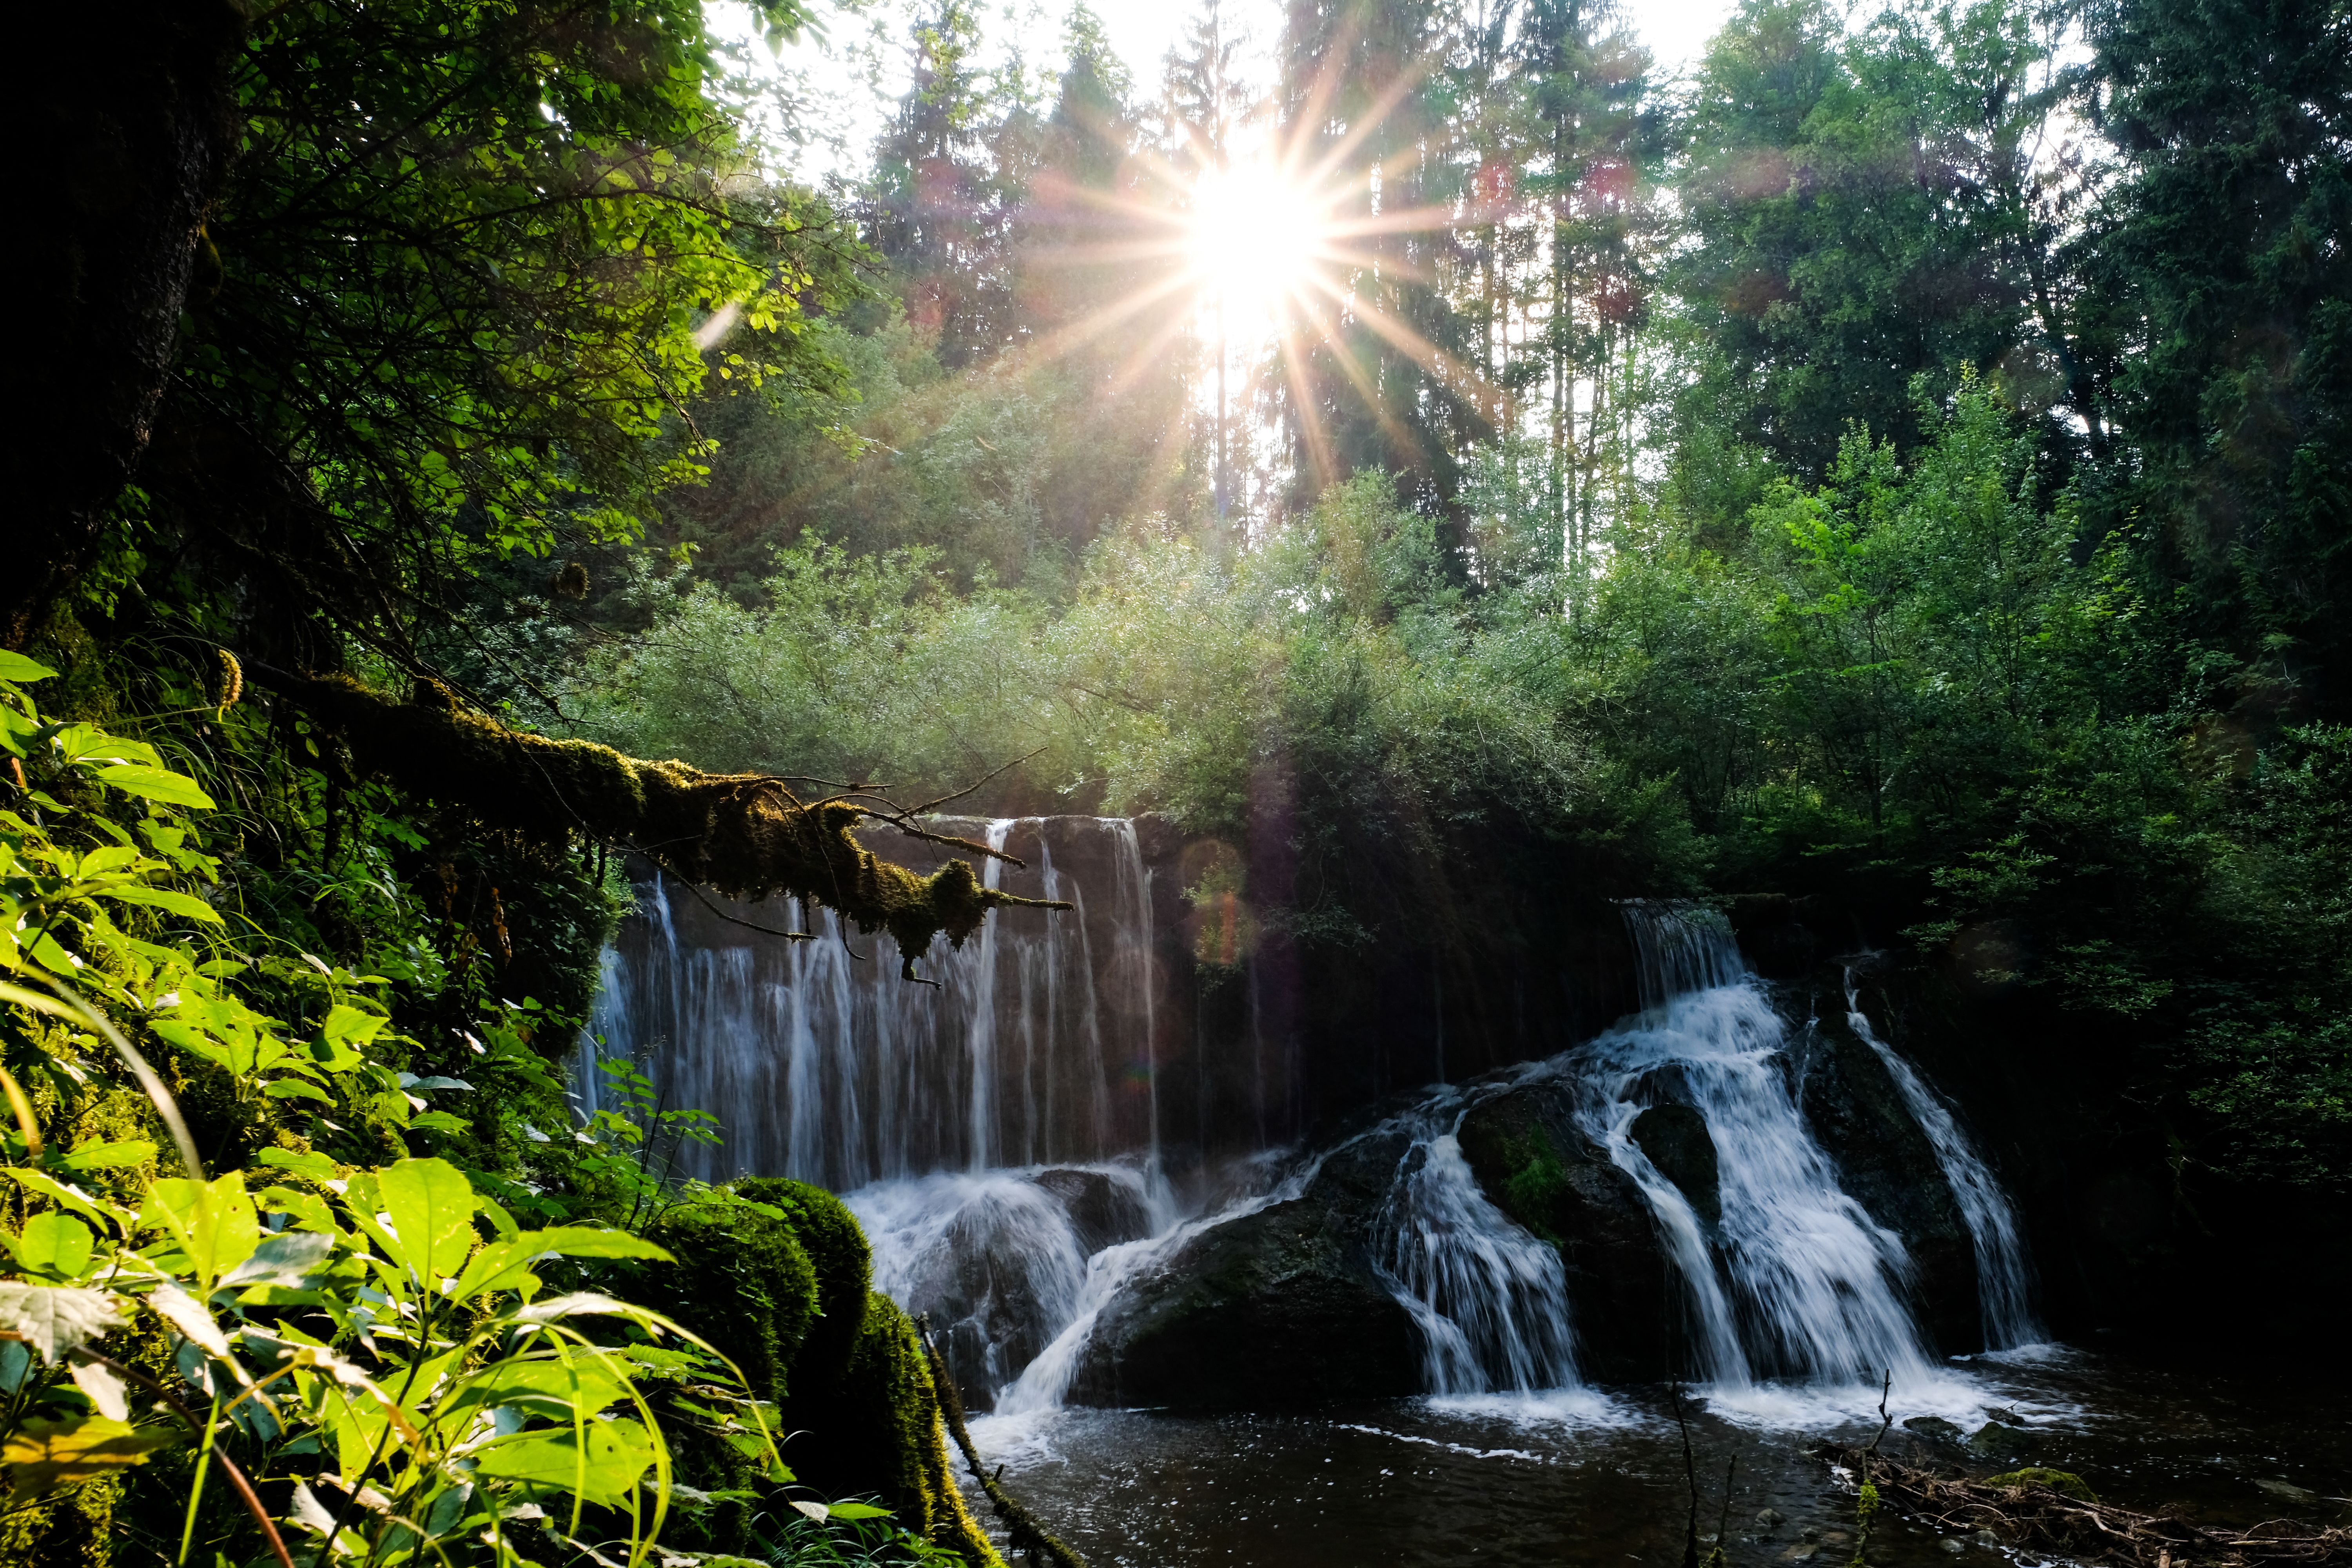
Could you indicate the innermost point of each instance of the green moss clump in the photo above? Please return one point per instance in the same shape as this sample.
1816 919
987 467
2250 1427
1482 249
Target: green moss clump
743 1281
842 1264
2063 1482
71 1528
1538 1181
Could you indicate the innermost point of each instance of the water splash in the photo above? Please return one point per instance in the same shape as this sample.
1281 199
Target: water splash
1795 1280
2004 1277
1490 1300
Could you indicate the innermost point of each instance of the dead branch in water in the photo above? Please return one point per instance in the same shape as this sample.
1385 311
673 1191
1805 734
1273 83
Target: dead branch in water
2040 1517
1028 1537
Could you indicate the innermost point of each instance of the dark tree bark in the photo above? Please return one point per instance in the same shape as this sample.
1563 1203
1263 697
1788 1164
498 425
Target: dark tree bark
131 106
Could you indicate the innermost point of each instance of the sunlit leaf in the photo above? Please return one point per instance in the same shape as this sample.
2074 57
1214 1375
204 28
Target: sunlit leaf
431 1205
54 1319
42 1455
56 1244
605 1470
154 783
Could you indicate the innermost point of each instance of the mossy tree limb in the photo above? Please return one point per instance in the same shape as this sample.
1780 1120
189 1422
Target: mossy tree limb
746 835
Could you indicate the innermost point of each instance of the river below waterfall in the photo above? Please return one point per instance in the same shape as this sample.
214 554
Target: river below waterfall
1598 1477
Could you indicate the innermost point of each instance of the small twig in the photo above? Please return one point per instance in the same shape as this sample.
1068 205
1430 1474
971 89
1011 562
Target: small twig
738 919
1886 1422
229 1466
1690 1474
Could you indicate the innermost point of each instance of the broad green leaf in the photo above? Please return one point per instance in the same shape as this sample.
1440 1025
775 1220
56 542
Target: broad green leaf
301 1162
309 1211
89 744
154 783
186 904
605 1470
57 1245
430 1205
67 1195
859 1511
289 1258
100 1156
295 1088
17 667
437 1121
346 1025
500 1265
216 1224
43 1454
190 1316
579 1382
54 1319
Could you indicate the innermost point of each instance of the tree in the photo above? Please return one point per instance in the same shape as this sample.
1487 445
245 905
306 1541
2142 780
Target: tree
2232 248
1380 375
1844 236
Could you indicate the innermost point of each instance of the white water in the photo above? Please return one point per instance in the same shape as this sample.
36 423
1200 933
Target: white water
1797 1281
1490 1300
2004 1279
945 1114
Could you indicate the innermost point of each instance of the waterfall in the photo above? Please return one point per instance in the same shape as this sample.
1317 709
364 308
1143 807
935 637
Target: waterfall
820 1063
1490 1300
1793 1280
2004 1277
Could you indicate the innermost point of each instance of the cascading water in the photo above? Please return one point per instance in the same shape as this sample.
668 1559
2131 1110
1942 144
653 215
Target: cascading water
1032 1047
1491 1301
1794 1280
2004 1279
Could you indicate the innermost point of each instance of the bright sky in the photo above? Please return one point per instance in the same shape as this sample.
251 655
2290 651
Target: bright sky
847 85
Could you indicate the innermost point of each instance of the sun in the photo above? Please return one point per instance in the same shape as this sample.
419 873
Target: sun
1252 237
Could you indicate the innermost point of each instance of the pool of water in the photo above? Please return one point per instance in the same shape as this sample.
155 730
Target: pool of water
1600 1477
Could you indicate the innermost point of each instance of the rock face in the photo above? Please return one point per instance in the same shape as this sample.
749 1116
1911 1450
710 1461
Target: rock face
1103 1210
1282 1307
1886 1164
1676 1139
1535 1165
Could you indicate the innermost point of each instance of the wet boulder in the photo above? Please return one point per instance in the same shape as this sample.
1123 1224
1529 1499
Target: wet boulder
1677 1141
1282 1307
1105 1207
1534 1164
1885 1164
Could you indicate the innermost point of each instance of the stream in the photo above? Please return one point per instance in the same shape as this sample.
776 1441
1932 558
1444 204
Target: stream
1597 1477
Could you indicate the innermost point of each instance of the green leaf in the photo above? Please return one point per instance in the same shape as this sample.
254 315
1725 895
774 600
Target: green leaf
301 1162
53 1244
431 1207
54 1319
603 1471
98 1156
295 1088
186 904
154 783
43 1454
215 1224
500 1265
859 1510
17 667
554 1388
437 1121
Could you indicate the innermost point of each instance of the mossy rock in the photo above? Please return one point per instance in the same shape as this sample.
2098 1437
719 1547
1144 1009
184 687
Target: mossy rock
743 1281
844 1265
874 1430
2063 1482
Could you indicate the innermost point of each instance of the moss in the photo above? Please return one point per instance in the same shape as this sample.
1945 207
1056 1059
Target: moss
1535 1184
745 834
860 1402
842 1263
743 1281
71 1528
876 1431
2063 1482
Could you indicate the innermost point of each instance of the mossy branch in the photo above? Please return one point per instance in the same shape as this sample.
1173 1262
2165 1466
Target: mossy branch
1028 1537
746 835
